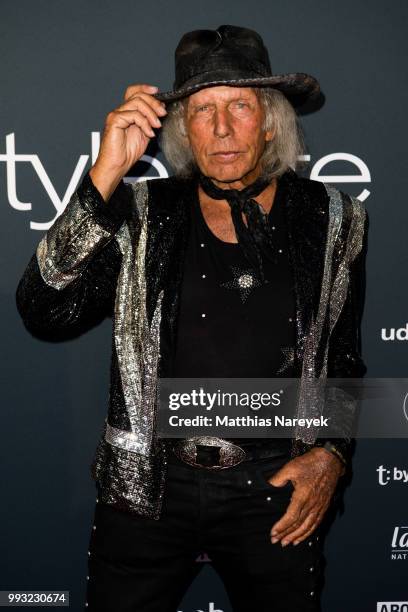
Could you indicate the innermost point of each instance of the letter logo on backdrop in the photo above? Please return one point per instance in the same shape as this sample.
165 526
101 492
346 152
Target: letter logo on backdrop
399 544
10 157
395 474
363 177
59 203
392 606
394 334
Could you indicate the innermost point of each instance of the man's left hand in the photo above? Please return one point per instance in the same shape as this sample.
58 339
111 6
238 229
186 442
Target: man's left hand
314 476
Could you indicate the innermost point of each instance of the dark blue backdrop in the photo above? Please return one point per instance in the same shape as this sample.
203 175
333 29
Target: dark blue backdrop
64 66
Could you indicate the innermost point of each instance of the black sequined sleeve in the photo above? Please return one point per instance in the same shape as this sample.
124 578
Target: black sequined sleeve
344 357
69 283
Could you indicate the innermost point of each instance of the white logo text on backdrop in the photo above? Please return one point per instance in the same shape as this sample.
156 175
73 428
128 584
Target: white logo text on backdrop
11 158
399 543
385 475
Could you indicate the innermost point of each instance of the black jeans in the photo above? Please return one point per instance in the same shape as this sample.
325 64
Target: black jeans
137 564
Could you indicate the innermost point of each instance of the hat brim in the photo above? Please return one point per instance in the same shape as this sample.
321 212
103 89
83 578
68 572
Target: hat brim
298 87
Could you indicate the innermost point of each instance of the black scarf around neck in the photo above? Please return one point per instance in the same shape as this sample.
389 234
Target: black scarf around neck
256 239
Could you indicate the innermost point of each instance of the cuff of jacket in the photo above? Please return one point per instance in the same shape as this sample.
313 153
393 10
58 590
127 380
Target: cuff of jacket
111 214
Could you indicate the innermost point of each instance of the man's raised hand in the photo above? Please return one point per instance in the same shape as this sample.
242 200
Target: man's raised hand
127 132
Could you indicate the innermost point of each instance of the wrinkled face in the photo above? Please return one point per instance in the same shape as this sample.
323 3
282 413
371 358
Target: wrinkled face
224 128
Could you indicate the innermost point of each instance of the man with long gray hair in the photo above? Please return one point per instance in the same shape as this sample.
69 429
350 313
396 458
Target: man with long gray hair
229 269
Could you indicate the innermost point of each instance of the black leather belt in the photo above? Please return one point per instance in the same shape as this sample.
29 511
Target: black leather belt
213 453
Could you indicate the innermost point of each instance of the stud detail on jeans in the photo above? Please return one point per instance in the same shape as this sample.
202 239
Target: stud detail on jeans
203 314
89 553
311 593
310 543
94 527
87 577
268 498
249 482
311 569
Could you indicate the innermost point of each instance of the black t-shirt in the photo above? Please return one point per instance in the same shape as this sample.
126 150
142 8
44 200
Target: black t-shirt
230 325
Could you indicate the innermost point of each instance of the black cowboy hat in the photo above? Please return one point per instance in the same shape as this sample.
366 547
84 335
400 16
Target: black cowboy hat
234 56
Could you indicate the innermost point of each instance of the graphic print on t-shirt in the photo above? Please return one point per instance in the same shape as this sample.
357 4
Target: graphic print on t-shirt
244 280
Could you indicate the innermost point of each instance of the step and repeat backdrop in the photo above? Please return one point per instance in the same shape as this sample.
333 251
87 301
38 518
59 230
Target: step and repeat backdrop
64 66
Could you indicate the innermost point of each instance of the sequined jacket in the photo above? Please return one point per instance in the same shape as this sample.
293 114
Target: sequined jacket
123 259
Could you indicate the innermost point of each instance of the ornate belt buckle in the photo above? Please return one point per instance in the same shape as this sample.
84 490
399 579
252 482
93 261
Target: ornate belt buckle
229 454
